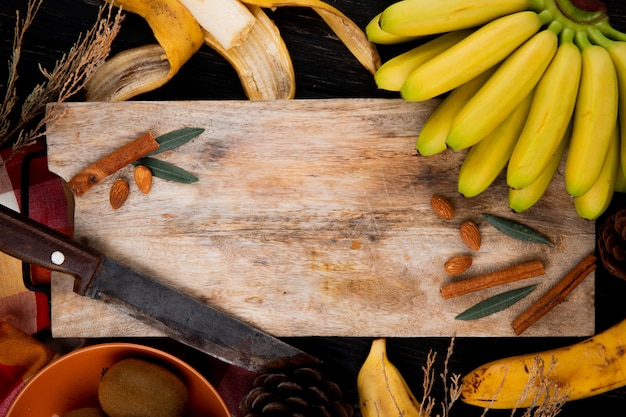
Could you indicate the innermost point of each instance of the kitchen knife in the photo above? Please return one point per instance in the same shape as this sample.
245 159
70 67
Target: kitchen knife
177 315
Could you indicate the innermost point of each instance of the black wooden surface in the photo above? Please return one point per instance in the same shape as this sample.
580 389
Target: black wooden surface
324 69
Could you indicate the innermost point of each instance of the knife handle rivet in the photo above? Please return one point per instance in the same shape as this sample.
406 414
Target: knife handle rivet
57 257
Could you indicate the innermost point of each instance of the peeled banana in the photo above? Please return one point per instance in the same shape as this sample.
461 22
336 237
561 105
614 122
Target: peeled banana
382 390
572 59
240 31
587 368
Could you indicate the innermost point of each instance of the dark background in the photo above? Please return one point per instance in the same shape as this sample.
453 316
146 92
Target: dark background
324 69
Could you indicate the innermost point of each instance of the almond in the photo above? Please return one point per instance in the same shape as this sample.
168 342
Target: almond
470 235
143 178
457 264
442 207
119 193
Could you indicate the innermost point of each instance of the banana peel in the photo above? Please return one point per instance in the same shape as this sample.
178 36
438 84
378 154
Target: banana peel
346 30
261 61
256 51
146 68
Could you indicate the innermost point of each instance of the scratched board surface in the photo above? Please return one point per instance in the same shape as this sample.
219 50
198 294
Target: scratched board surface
310 217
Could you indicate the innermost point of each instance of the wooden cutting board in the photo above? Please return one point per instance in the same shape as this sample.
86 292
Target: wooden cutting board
310 217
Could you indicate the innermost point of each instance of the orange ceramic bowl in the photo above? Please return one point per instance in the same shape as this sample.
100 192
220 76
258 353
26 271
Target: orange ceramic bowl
71 382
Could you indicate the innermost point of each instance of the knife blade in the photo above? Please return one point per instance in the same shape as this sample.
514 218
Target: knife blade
174 313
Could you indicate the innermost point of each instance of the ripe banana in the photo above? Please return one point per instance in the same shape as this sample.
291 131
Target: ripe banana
595 117
432 137
617 51
486 159
382 390
393 73
375 34
587 368
594 202
484 48
516 77
522 199
424 17
549 117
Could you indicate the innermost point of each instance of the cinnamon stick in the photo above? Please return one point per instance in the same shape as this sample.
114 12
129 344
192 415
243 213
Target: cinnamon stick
503 276
111 163
554 295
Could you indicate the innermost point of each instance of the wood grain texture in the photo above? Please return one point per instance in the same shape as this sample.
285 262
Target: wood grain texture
311 217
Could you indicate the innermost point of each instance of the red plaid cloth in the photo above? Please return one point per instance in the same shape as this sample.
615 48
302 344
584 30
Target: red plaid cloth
24 313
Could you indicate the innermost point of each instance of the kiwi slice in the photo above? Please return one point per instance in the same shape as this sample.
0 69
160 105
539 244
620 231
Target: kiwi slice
139 388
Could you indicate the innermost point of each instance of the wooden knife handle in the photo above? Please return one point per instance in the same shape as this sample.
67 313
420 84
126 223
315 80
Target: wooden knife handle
35 243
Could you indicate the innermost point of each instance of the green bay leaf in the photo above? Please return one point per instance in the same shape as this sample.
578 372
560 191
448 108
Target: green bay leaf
516 230
166 171
176 138
495 303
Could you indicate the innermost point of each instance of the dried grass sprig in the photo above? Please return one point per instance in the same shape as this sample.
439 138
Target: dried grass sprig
69 75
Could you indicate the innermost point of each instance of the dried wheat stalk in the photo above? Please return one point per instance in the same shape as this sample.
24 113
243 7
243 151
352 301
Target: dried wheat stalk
69 75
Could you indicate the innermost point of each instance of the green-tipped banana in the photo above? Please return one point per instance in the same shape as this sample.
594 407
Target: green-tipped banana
376 34
432 137
427 17
393 73
549 117
594 202
595 117
484 48
516 77
522 199
485 160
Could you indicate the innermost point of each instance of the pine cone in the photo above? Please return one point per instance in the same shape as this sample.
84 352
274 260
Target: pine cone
612 243
302 393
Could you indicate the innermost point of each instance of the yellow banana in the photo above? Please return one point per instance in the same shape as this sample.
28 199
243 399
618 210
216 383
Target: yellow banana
392 74
581 370
594 202
516 77
431 139
522 199
426 17
595 117
486 159
144 69
617 51
382 390
549 117
376 34
484 48
261 61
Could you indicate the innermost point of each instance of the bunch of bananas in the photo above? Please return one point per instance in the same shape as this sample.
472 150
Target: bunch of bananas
527 83
240 31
